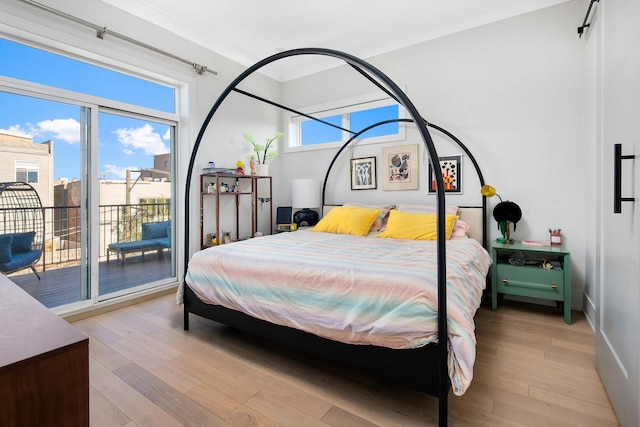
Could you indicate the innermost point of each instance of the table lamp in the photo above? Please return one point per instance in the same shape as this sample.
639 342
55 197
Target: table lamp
305 194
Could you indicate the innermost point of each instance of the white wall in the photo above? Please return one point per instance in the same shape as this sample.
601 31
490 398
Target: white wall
512 91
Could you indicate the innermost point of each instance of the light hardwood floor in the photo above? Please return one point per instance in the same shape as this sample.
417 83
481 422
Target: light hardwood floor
531 370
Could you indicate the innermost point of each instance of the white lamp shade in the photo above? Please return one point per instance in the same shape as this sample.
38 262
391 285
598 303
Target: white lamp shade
305 193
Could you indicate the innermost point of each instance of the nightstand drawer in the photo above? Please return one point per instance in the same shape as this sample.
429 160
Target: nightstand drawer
530 281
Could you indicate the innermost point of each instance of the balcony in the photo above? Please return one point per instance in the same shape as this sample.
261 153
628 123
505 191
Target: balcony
60 267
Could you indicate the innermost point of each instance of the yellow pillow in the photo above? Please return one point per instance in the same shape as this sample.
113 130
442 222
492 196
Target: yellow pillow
348 220
415 226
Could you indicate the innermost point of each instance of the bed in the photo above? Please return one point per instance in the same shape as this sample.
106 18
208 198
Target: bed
400 296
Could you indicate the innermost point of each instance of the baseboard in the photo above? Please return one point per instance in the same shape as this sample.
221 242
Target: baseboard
121 303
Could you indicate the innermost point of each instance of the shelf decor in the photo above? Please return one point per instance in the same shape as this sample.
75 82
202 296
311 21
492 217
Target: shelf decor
505 213
263 152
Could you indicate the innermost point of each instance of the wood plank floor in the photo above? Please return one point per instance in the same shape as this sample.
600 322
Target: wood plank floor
531 370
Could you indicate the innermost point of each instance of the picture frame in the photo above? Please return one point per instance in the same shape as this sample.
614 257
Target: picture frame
363 173
450 167
401 167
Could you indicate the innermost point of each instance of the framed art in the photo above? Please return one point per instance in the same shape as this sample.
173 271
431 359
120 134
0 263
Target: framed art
363 173
451 174
401 167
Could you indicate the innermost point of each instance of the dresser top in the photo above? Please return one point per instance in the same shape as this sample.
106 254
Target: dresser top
28 329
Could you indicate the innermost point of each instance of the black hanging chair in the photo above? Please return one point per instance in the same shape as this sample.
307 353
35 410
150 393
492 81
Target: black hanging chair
21 227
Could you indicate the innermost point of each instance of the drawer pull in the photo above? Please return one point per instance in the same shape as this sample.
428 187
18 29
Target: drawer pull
505 280
554 286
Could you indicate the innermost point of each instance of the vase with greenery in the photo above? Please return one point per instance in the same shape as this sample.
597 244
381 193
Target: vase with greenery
266 151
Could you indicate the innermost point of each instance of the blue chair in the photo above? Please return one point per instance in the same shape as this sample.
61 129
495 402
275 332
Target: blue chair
21 227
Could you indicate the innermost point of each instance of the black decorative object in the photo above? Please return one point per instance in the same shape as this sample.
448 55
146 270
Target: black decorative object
283 215
506 213
306 217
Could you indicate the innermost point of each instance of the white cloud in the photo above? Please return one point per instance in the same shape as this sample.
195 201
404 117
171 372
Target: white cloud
67 130
167 135
120 172
17 129
128 152
143 138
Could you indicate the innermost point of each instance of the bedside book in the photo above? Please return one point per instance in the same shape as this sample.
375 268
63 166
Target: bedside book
535 243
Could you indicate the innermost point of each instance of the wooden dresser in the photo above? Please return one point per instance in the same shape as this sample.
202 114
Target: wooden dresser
44 364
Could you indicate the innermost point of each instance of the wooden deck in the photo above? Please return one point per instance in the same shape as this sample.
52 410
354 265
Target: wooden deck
60 286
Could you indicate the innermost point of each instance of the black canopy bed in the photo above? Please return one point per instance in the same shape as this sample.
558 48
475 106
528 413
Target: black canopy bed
418 360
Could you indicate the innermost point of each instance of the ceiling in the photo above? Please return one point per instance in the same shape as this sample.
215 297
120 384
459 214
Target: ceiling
247 31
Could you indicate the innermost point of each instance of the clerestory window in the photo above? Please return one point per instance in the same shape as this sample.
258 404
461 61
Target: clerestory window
340 120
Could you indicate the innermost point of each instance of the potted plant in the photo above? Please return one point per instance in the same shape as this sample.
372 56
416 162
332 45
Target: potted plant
263 152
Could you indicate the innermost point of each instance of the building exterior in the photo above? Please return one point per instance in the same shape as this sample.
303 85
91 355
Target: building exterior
23 160
124 206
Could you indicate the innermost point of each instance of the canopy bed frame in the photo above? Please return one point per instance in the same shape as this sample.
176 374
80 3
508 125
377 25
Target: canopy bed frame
423 368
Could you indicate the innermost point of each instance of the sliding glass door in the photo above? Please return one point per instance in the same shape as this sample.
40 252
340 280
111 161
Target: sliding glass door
135 203
98 147
56 170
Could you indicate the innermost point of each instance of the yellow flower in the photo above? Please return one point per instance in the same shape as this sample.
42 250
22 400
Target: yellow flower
239 164
488 191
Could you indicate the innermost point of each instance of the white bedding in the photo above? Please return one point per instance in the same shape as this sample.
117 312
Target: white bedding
357 290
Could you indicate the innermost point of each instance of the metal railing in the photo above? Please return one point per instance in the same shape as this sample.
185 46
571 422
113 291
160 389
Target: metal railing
118 223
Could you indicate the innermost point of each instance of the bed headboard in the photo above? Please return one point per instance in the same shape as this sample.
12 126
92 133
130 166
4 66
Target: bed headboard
474 217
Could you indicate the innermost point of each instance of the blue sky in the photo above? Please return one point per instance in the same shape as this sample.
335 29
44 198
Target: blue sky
124 143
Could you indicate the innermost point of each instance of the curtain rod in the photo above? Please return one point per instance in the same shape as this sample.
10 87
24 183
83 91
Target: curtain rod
102 31
586 18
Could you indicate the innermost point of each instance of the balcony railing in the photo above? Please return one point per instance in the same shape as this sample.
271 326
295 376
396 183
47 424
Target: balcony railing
117 223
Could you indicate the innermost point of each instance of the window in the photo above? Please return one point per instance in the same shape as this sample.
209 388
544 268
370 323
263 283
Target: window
27 172
104 124
361 119
314 132
341 120
85 78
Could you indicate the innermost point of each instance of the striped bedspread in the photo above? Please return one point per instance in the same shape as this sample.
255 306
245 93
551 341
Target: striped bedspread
357 290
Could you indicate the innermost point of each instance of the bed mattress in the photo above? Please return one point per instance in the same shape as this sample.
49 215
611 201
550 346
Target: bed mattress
352 289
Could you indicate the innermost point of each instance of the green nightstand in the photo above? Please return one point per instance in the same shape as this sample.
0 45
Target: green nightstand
517 270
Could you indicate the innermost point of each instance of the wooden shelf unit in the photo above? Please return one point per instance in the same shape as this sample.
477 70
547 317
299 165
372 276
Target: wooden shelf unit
249 187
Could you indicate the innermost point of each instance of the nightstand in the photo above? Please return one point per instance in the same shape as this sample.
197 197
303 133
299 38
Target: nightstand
517 270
